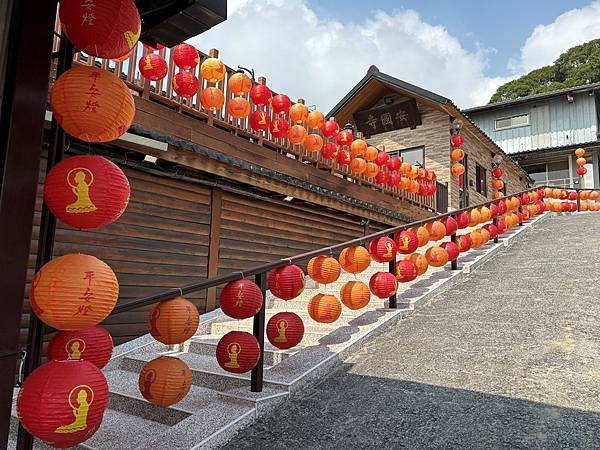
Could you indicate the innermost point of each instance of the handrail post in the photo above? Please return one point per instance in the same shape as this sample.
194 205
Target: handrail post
258 329
393 300
521 211
578 202
453 238
495 222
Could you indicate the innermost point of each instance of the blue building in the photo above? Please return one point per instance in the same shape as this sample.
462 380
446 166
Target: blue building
542 131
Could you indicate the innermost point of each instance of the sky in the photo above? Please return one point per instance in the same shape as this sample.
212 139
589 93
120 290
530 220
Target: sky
463 49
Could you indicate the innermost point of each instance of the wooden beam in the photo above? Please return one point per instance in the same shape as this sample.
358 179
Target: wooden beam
216 205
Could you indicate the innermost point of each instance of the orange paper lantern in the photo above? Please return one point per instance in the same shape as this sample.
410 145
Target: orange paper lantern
238 107
165 381
371 170
359 147
371 153
358 165
106 29
212 70
241 299
581 162
315 119
354 259
285 330
86 191
485 214
383 284
436 230
298 112
185 56
594 195
580 152
422 235
238 352
286 282
457 154
355 294
297 134
73 292
474 217
93 344
212 98
92 104
485 234
324 308
476 238
313 143
497 184
419 261
63 402
239 83
323 269
173 321
436 256
457 169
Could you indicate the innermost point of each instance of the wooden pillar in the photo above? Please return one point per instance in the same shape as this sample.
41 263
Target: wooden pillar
216 205
27 65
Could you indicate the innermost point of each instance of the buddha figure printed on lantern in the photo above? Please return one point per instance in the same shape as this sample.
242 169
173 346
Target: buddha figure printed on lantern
80 399
233 351
80 179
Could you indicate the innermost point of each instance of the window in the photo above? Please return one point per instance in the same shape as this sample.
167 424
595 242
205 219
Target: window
413 155
481 179
521 120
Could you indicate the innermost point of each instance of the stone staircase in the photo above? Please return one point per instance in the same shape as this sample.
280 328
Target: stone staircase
219 403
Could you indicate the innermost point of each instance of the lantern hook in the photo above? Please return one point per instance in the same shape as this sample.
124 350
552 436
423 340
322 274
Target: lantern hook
241 273
250 71
180 292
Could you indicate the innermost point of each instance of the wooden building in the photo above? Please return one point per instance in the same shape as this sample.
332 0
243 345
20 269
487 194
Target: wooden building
414 123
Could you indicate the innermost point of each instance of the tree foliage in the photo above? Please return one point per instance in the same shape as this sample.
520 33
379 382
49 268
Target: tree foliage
578 66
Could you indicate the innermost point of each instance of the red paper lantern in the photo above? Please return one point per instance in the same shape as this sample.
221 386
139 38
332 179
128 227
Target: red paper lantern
241 299
279 127
436 256
457 140
185 84
451 225
355 295
452 250
354 259
383 284
281 104
324 308
393 163
393 179
313 143
464 243
173 321
383 249
260 95
86 191
238 352
497 172
153 67
501 207
330 128
213 70
462 219
286 282
323 269
260 120
63 402
492 229
185 56
407 242
106 29
73 292
92 104
581 171
522 216
381 177
405 271
238 107
239 83
329 150
501 225
573 195
382 158
344 138
285 330
343 157
493 211
93 344
212 98
165 380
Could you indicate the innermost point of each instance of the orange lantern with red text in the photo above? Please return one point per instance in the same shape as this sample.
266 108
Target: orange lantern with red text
92 104
485 234
285 330
153 67
185 56
93 344
419 261
260 120
476 239
355 294
73 292
298 112
406 271
324 308
238 352
457 169
238 107
371 170
63 402
165 380
382 249
359 147
87 191
371 154
239 83
95 29
358 165
497 184
212 70
436 230
436 256
212 98
594 195
297 134
464 243
485 214
383 284
457 154
474 217
241 299
323 269
354 259
286 282
313 143
260 95
407 242
185 84
315 119
422 235
173 321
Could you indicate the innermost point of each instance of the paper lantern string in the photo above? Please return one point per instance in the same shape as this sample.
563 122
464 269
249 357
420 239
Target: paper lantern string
241 273
180 292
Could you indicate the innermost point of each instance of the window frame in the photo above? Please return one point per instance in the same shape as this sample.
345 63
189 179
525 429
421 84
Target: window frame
398 152
496 128
481 180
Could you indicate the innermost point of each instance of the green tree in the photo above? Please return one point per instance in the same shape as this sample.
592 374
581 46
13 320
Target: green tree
578 66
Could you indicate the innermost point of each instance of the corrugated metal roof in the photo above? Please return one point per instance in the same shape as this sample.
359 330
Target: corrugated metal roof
557 149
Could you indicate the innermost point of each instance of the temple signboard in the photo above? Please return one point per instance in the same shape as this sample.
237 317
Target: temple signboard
388 118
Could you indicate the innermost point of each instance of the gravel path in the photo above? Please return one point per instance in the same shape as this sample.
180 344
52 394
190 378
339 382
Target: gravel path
508 359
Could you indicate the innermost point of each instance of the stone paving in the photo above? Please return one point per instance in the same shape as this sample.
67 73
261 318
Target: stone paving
507 359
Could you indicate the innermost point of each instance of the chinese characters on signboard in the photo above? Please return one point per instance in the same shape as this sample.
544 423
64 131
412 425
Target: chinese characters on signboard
388 117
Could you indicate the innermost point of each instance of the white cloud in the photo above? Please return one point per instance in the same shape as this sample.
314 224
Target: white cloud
547 42
320 60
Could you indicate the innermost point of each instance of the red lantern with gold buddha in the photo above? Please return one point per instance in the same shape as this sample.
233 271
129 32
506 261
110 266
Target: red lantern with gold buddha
238 352
93 344
153 67
285 330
